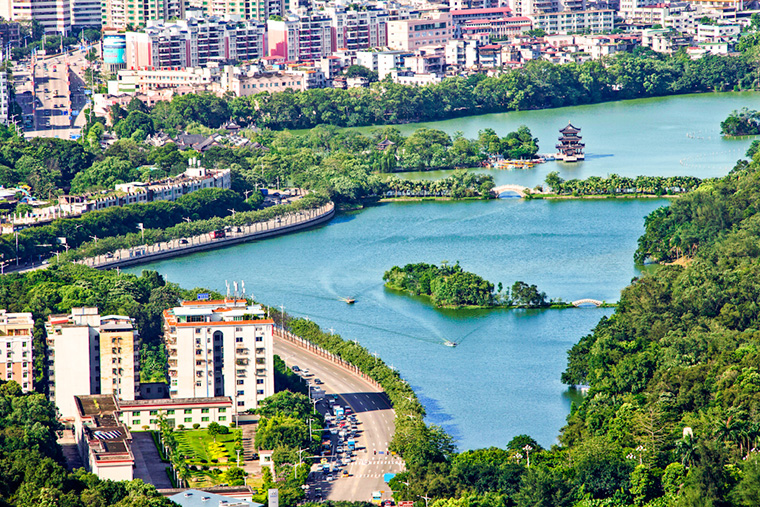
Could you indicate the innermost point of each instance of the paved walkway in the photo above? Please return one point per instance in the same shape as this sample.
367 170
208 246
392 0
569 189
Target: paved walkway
148 464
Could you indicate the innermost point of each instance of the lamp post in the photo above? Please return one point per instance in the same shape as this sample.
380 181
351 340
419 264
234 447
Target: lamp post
141 226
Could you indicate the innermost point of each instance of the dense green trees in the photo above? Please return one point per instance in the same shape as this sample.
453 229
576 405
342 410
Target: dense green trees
445 285
32 462
741 123
451 286
538 84
201 205
622 185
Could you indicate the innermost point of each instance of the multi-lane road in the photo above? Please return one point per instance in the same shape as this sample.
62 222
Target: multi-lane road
51 92
376 423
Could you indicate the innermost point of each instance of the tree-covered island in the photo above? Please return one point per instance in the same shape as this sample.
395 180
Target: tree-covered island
449 286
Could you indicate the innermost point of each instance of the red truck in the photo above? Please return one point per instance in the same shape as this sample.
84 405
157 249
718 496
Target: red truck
218 234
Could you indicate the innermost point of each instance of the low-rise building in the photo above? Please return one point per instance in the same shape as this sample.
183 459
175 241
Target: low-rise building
382 62
104 444
186 412
16 355
138 192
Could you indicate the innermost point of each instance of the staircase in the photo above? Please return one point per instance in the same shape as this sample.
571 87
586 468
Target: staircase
249 432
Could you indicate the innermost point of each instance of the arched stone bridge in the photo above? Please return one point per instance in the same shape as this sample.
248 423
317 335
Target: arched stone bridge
510 191
594 302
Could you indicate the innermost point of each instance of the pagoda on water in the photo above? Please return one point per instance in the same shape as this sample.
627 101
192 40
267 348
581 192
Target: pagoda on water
570 146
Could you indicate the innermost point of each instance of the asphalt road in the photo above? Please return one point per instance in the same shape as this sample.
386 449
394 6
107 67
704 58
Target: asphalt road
58 89
376 426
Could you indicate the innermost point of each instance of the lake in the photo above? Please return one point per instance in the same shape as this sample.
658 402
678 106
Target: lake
504 377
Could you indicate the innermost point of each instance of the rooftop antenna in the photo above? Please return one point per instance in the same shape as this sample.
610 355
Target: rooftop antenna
228 288
242 284
235 284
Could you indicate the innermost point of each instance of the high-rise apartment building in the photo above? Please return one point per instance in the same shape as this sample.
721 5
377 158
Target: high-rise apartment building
16 330
220 348
123 14
300 37
53 15
194 43
86 14
356 29
90 354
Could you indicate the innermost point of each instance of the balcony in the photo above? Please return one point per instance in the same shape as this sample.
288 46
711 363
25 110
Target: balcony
241 362
242 352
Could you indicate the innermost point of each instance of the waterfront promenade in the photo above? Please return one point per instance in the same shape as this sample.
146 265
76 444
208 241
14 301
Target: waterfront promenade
234 235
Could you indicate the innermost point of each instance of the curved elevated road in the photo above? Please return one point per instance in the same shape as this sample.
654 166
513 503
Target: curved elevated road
376 426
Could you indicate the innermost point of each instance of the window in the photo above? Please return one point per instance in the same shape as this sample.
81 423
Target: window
170 412
259 380
241 393
198 383
241 403
223 418
204 419
239 339
154 412
153 421
188 419
259 338
204 411
222 410
240 382
136 422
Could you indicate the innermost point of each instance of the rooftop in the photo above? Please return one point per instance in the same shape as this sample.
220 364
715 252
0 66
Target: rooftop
176 401
197 498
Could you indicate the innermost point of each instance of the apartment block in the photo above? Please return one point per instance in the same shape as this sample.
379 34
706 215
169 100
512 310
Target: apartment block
564 22
53 15
412 34
243 84
194 42
131 14
89 354
119 357
16 356
86 14
382 62
220 348
300 38
355 29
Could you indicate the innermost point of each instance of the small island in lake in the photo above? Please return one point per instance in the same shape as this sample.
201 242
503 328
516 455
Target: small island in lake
449 286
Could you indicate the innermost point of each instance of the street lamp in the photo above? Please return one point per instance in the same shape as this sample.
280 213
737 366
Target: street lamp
141 226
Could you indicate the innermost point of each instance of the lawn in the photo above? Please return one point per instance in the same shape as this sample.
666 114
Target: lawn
201 449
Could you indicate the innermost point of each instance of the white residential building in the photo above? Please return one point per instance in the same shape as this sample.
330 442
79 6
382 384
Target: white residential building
220 348
16 356
382 62
594 21
356 29
89 354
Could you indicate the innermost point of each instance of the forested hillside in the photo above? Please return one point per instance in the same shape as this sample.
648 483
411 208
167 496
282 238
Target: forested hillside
671 416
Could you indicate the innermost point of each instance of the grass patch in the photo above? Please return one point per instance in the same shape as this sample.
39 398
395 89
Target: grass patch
201 449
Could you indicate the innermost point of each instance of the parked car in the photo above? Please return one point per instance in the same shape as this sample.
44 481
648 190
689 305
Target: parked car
295 368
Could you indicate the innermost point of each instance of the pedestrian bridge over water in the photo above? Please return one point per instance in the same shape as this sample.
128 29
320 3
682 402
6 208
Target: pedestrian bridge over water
587 302
503 191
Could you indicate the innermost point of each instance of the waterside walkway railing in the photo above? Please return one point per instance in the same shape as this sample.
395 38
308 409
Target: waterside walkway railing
284 224
321 352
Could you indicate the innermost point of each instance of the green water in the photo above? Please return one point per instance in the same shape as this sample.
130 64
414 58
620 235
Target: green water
503 378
